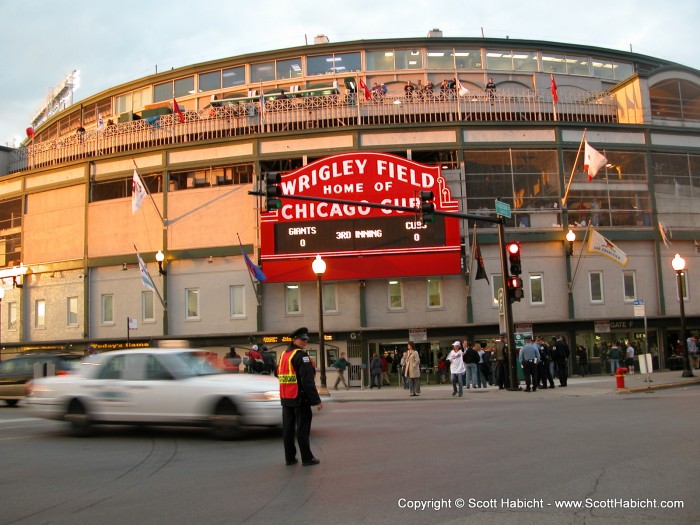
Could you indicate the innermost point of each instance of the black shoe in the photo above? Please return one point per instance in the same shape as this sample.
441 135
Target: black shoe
293 462
527 390
312 461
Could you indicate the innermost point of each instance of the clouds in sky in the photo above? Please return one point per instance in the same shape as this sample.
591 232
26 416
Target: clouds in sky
116 42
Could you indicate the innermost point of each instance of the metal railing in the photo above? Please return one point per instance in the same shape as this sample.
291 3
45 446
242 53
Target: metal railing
315 113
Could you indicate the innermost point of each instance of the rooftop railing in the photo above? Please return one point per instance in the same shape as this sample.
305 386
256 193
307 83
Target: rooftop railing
310 113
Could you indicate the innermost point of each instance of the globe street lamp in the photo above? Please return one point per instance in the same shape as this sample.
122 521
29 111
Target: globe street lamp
571 237
678 264
319 268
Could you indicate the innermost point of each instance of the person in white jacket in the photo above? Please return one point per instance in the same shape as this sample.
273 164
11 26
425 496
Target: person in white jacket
457 368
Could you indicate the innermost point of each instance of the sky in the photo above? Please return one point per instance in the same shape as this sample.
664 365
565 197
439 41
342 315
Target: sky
111 43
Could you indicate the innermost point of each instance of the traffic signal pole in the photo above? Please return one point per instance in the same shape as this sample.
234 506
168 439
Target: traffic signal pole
499 220
508 310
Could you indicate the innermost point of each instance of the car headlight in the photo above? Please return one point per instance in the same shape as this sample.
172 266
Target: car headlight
270 395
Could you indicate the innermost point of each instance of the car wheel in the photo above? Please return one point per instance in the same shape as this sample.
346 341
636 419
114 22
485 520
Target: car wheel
11 402
226 420
77 416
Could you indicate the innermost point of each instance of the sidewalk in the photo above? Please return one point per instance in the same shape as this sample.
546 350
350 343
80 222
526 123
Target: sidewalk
576 386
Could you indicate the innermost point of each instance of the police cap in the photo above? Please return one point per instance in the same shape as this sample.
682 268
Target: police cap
300 333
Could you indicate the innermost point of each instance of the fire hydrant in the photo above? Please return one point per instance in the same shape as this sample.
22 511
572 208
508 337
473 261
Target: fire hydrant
620 377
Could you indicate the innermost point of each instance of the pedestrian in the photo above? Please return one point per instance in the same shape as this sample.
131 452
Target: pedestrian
582 358
413 369
471 360
482 380
529 358
255 360
629 361
385 369
375 368
614 355
232 363
404 376
543 371
693 351
455 358
298 394
560 353
340 365
490 90
501 353
604 357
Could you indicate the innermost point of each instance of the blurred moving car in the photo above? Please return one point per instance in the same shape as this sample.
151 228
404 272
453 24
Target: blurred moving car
17 372
155 386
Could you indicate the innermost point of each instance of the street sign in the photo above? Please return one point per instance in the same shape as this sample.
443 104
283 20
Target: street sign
639 308
503 208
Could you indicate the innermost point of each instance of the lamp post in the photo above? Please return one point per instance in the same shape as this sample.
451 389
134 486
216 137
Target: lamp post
571 237
678 264
160 257
319 268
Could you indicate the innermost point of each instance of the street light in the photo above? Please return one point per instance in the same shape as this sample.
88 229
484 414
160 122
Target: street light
571 237
678 264
319 268
160 257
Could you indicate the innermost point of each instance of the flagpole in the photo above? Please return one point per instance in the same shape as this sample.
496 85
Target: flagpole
162 220
580 255
257 297
573 169
160 297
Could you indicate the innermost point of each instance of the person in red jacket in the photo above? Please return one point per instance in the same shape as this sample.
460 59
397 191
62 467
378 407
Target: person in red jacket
298 394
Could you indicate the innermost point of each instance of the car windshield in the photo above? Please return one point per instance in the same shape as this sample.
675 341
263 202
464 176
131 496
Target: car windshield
195 364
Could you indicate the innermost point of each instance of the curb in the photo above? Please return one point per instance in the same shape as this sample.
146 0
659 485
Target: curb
663 386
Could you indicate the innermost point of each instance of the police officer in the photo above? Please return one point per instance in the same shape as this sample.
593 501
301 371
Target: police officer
298 394
529 357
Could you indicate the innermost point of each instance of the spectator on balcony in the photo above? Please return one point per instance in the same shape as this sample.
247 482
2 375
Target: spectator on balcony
491 90
429 86
408 90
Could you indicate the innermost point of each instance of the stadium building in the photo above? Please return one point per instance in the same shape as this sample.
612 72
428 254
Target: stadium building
372 121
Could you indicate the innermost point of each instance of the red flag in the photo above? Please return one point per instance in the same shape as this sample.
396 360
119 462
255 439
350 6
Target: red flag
553 87
363 87
177 110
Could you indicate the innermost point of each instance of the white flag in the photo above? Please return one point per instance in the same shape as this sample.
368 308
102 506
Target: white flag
602 246
138 192
100 122
145 276
593 160
461 89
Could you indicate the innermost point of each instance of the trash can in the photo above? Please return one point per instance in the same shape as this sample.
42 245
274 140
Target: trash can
620 377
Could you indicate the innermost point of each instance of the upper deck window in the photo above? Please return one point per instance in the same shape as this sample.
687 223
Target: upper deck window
334 63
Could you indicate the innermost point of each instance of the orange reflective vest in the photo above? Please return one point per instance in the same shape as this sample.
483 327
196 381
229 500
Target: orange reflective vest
289 387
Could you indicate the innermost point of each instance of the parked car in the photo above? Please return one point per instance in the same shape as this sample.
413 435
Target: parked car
158 387
17 372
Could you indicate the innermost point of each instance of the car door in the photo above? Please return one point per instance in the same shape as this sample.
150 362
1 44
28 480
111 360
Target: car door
110 398
160 393
14 373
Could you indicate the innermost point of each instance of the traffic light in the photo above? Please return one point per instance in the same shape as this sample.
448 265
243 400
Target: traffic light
515 288
513 250
427 208
272 191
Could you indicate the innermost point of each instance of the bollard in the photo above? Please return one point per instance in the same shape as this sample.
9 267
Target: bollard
620 377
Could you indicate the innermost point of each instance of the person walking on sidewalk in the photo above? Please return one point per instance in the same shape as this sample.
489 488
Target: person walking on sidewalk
614 355
456 368
413 369
630 358
529 357
375 368
340 365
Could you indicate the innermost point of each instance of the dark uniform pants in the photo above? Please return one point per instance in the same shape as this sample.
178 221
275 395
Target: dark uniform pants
530 373
296 423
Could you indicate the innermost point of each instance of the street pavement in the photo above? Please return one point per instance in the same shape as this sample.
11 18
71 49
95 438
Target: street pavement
576 386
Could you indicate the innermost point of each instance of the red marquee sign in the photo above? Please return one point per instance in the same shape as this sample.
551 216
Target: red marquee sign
359 242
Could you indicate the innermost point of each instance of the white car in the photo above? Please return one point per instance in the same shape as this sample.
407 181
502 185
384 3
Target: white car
157 387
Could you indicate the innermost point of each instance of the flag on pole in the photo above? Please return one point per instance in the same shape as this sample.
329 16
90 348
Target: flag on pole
664 237
598 244
262 100
553 87
177 110
593 160
255 271
100 122
138 192
145 276
461 90
365 90
480 268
